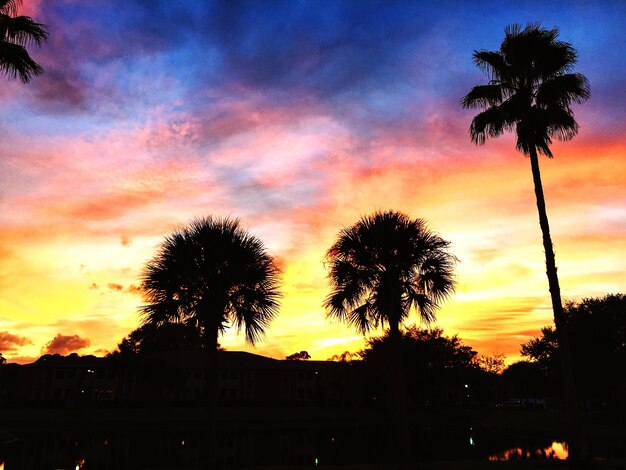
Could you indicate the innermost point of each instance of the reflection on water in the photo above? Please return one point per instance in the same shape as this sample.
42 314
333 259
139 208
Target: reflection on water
556 451
183 448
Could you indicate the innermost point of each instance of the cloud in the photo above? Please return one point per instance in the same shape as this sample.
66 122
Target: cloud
60 90
133 289
10 342
130 289
62 344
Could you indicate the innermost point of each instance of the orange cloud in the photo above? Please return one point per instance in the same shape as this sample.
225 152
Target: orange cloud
62 344
10 342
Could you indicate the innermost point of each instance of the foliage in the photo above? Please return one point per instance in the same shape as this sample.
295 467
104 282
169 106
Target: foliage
527 379
151 338
17 32
530 90
384 266
543 350
435 368
2 360
211 275
423 348
492 364
299 356
345 356
597 331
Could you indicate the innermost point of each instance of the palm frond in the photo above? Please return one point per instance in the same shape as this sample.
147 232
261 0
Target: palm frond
425 306
15 62
562 90
483 96
489 123
492 63
362 318
23 30
10 7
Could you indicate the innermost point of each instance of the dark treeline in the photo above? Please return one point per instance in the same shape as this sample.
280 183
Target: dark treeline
439 369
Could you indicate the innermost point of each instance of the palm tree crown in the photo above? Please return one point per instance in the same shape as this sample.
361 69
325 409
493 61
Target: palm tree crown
17 32
384 266
530 89
212 274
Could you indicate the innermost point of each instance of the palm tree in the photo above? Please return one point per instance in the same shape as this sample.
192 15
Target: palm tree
530 91
17 32
212 274
382 268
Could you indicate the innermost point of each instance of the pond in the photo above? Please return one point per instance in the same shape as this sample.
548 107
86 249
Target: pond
167 446
256 443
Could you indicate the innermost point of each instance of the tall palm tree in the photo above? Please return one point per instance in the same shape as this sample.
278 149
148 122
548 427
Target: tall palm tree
212 274
17 32
530 91
382 268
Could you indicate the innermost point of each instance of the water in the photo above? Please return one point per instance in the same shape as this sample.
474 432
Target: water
557 450
167 447
179 447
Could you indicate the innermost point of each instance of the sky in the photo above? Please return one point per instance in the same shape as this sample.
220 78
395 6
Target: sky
298 118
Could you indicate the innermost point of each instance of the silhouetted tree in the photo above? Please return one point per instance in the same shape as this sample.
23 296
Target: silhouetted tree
433 363
211 275
2 360
345 356
530 92
382 268
299 356
424 348
492 364
151 338
17 32
526 379
597 328
544 351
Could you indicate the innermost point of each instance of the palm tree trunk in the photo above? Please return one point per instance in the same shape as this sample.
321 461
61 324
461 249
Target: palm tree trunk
398 392
569 386
209 457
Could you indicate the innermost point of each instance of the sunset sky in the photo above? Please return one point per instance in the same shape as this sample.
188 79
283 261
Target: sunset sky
297 117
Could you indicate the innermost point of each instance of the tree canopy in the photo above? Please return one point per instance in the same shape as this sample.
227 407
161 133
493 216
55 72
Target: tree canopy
210 275
384 266
299 356
597 330
423 348
530 89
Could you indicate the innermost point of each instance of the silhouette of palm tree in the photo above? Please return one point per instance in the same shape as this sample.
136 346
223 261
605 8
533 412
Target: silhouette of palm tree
212 274
382 268
16 32
530 92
